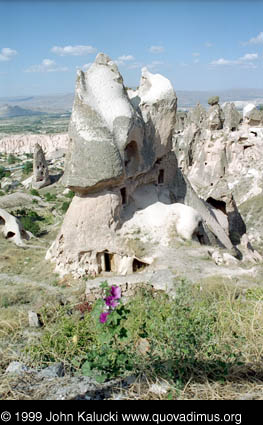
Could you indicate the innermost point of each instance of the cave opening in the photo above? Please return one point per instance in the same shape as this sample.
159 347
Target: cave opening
219 205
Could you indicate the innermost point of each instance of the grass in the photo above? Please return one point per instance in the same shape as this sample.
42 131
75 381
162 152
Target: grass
203 335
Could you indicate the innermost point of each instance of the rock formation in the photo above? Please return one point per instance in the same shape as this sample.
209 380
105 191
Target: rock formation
215 116
25 143
40 169
12 229
222 164
121 166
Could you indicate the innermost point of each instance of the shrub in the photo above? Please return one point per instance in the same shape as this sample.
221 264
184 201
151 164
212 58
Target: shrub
27 167
4 172
34 192
50 197
29 220
11 159
2 193
65 206
70 194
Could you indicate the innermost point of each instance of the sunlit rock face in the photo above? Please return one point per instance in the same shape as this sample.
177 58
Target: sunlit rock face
121 166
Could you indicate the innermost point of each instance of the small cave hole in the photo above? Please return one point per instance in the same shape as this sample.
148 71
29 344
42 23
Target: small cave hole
2 221
161 177
10 235
219 205
123 196
138 265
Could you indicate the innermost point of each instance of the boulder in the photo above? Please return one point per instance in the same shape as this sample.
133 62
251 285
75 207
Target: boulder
213 100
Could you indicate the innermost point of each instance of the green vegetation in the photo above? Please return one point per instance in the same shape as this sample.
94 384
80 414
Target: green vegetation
70 194
50 197
4 172
202 335
29 220
65 206
27 167
34 192
36 124
12 159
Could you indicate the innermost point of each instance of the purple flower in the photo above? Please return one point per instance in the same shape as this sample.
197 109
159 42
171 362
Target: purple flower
111 302
103 317
116 292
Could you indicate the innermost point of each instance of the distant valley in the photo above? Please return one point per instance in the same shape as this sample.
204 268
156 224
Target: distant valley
51 114
59 104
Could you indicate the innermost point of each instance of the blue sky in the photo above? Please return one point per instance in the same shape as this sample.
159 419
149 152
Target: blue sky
198 45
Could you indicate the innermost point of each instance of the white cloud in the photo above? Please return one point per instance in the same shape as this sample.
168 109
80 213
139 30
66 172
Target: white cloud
223 61
196 54
207 44
243 61
249 57
73 50
255 40
47 65
7 53
156 49
121 60
126 58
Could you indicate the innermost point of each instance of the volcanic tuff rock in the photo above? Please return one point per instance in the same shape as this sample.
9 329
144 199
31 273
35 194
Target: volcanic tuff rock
224 166
25 143
40 169
232 117
120 164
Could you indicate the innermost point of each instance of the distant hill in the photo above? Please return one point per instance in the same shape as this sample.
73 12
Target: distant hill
186 99
7 111
48 104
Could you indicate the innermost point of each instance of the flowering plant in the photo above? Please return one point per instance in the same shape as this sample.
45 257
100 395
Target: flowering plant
112 300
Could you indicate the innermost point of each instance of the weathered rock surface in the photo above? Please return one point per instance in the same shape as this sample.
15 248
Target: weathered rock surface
232 117
40 169
127 179
25 143
223 166
17 199
215 117
12 229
